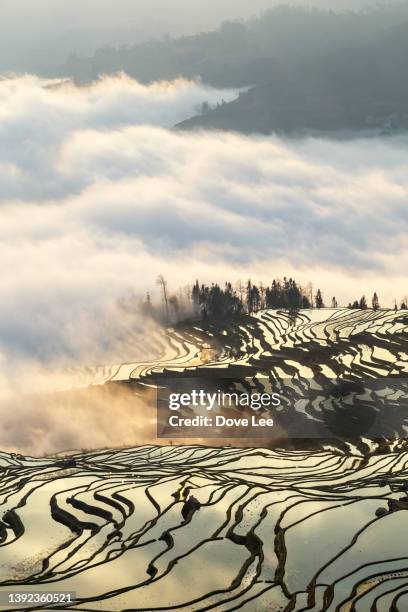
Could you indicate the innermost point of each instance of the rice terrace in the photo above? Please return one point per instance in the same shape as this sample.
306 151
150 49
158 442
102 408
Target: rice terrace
279 525
204 305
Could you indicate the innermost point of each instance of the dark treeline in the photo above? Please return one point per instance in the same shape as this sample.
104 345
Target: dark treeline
216 302
219 302
228 301
375 303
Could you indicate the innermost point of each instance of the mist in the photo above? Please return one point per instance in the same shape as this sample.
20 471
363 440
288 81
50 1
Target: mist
98 197
39 36
97 201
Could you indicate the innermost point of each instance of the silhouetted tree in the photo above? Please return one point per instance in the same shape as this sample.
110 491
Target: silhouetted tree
220 302
294 298
256 298
147 307
273 295
319 299
174 303
363 303
249 298
163 284
216 302
262 292
375 303
195 296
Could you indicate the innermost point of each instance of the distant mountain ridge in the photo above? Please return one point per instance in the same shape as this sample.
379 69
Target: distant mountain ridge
305 70
367 98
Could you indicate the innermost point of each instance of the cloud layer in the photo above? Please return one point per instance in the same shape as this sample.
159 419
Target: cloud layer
96 199
98 196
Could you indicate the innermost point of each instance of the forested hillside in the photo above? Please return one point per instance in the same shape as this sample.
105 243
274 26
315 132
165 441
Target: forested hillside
300 69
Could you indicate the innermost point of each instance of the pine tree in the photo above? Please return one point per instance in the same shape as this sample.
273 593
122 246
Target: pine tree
363 303
275 295
319 299
256 298
195 295
375 303
249 298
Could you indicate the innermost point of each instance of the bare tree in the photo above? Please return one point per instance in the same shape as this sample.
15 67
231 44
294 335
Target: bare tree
161 282
262 294
309 293
240 290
